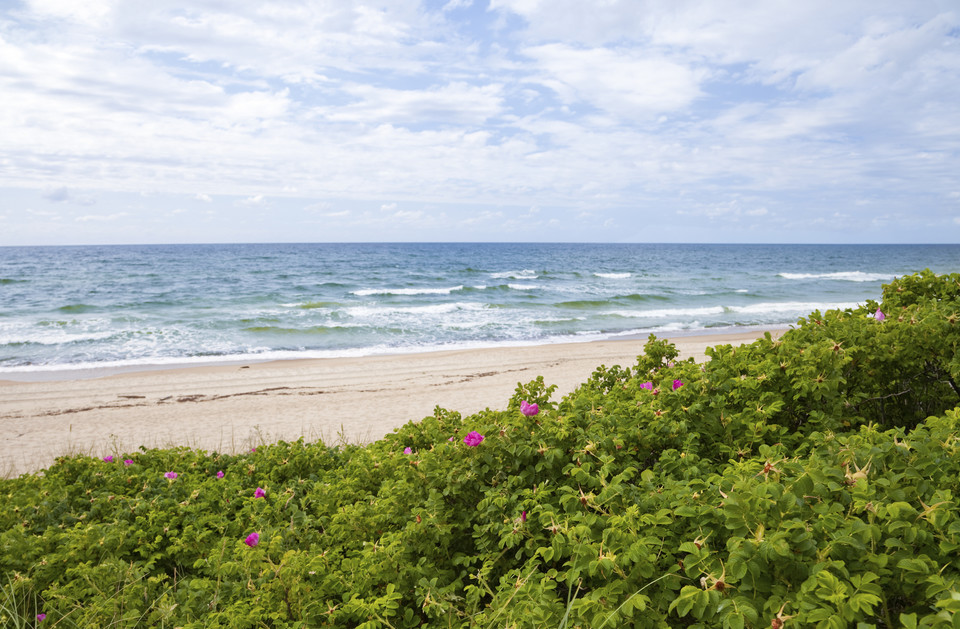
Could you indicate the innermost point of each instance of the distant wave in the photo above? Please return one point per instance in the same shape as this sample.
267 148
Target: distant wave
843 276
366 292
613 276
804 308
368 311
670 312
798 307
315 329
76 308
314 304
588 304
54 338
526 274
523 286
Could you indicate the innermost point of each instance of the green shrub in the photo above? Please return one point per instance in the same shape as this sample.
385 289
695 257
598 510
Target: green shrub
806 481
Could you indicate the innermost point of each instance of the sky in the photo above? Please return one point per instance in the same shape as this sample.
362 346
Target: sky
774 121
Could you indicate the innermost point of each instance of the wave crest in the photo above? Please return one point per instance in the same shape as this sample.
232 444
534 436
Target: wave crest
366 292
843 276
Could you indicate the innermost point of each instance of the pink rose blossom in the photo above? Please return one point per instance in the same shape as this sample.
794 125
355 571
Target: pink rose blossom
259 493
408 450
523 516
170 475
878 315
41 617
473 438
677 384
220 474
128 462
252 539
529 409
647 385
108 459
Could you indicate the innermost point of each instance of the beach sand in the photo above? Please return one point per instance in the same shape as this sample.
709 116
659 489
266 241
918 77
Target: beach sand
231 408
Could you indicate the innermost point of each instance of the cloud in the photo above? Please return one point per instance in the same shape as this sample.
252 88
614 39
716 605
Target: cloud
65 195
99 218
257 199
456 4
627 83
454 103
595 108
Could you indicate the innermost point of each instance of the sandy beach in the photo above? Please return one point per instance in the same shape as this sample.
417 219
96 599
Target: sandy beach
230 408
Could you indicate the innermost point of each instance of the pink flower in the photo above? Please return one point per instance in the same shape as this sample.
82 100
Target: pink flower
878 315
523 516
677 384
647 385
259 493
252 539
452 439
529 409
253 449
108 459
41 617
128 462
170 475
473 439
407 450
220 474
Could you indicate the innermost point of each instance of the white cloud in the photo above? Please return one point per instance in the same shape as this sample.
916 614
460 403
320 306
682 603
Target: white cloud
457 4
101 217
257 199
625 82
455 103
600 107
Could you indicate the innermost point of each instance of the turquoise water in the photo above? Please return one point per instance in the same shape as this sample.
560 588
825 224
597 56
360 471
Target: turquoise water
126 306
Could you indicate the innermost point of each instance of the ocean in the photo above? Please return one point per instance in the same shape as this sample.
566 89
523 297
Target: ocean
69 309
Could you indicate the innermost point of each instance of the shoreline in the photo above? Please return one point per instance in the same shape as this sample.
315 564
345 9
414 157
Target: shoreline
89 371
230 408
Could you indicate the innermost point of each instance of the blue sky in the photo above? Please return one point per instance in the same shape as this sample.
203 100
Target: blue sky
479 120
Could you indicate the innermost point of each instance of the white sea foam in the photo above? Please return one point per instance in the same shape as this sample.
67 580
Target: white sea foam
366 292
431 309
670 312
613 276
526 274
800 307
523 286
845 276
53 337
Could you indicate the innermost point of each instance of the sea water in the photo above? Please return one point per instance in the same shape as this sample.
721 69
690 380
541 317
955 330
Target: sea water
96 307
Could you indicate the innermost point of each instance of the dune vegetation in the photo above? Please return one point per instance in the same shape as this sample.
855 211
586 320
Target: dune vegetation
805 481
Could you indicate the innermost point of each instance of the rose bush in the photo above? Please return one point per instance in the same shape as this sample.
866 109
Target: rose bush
807 481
